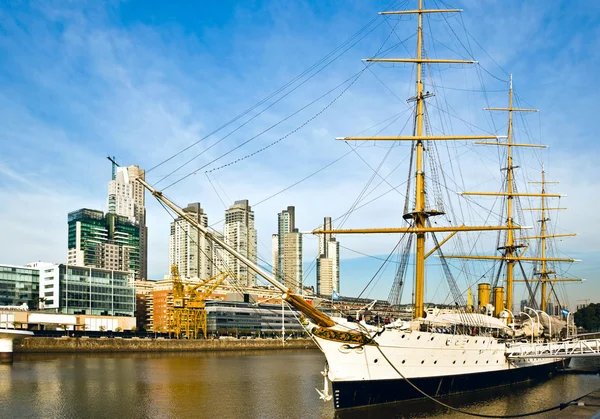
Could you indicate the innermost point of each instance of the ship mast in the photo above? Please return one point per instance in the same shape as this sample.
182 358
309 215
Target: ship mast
420 214
544 274
510 248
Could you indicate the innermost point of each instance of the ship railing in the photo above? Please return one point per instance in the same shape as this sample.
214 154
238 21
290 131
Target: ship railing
566 349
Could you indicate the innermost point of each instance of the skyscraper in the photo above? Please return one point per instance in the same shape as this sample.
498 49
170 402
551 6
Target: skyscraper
126 198
328 262
289 250
239 232
275 253
103 241
188 248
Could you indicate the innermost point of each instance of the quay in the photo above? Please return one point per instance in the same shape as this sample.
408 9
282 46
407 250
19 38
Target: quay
103 345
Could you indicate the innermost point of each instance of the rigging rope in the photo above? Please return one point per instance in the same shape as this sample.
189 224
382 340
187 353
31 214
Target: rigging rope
395 296
282 88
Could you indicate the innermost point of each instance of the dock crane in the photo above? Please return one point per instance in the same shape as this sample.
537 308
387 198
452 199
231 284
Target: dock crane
187 314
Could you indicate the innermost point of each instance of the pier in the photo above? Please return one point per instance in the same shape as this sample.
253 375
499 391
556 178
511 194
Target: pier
7 338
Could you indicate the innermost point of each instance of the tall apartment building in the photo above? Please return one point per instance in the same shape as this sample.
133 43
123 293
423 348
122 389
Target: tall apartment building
275 254
126 198
188 248
219 255
328 262
289 250
103 241
239 232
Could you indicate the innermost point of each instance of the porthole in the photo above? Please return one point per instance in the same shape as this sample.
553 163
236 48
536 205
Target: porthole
496 361
431 338
402 336
476 362
418 337
375 360
467 340
487 362
475 340
464 362
422 362
454 362
403 361
435 362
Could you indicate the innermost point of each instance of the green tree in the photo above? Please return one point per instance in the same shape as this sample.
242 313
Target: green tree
63 327
588 317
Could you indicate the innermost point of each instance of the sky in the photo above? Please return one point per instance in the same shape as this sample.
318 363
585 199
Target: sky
144 80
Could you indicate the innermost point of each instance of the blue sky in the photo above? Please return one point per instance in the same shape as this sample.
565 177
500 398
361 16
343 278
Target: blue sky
141 80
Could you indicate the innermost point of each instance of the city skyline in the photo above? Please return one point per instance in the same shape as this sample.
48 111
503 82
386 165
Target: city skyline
167 109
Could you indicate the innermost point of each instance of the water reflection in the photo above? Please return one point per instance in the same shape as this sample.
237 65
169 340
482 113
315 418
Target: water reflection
261 384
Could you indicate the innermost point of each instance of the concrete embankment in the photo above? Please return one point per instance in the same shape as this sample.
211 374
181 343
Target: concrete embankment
92 345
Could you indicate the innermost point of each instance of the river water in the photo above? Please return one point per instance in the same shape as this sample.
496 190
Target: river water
258 384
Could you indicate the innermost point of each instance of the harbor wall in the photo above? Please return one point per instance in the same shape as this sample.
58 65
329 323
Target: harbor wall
97 345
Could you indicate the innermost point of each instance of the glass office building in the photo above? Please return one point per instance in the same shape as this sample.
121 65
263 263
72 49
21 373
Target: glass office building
106 241
83 290
18 285
225 317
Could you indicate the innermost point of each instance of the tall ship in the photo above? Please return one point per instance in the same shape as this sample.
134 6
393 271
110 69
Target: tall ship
463 346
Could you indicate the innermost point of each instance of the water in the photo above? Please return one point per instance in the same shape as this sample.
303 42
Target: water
262 384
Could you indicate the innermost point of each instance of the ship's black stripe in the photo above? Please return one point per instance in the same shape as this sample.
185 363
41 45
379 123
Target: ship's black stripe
348 394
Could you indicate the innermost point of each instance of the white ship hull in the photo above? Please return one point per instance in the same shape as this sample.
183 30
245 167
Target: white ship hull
437 363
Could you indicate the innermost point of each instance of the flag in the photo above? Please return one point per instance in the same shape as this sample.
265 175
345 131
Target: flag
564 312
335 295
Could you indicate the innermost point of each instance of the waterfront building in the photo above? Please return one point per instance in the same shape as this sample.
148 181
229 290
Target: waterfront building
289 250
85 290
102 241
328 262
239 232
126 198
19 285
190 250
142 289
238 318
10 317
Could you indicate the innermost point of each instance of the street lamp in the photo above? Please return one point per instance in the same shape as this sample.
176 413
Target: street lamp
549 322
522 312
536 314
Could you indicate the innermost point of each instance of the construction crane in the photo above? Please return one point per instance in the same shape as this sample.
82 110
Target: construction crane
114 166
188 314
